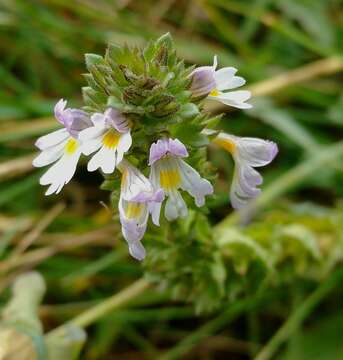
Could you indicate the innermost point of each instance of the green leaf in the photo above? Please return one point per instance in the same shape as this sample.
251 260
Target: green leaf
242 250
93 59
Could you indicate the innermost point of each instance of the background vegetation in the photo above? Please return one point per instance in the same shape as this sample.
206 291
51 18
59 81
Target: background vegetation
289 52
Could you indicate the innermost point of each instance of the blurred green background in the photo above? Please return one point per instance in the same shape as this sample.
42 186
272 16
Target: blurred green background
73 241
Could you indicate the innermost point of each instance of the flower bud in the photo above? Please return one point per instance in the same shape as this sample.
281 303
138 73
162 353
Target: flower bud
166 106
162 56
132 95
202 81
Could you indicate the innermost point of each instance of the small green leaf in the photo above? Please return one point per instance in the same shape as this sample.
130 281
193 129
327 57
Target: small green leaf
93 59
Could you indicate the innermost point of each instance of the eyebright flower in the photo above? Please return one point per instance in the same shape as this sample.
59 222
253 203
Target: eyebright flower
206 80
247 153
62 147
171 173
135 204
110 137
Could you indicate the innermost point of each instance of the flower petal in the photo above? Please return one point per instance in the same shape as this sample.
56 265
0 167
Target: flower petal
91 133
158 150
59 109
224 76
215 62
155 211
244 185
177 148
137 250
194 184
234 98
124 145
90 146
256 152
203 81
175 206
52 139
60 173
166 146
105 159
47 157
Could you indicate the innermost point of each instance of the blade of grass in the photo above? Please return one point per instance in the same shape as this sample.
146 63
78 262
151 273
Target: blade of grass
27 240
27 129
15 167
96 266
299 315
89 316
18 188
276 23
231 313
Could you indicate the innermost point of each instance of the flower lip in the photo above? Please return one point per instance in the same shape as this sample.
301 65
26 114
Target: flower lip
203 80
111 118
145 196
136 187
165 147
274 151
74 120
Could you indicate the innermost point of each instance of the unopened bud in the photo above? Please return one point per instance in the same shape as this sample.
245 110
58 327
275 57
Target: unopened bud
132 95
162 56
166 107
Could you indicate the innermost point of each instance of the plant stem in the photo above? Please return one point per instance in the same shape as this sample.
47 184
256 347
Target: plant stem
98 311
321 67
299 315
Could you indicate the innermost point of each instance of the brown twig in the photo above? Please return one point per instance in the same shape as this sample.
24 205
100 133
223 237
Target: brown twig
34 257
15 167
29 238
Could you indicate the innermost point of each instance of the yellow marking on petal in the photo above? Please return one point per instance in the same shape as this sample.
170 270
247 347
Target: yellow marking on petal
123 177
71 146
133 210
170 179
111 139
226 144
214 92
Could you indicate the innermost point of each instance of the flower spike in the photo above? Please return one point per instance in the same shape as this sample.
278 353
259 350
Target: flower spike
152 97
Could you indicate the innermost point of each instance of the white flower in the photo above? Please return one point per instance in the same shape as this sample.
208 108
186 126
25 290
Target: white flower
247 153
135 204
206 80
171 173
62 147
110 137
